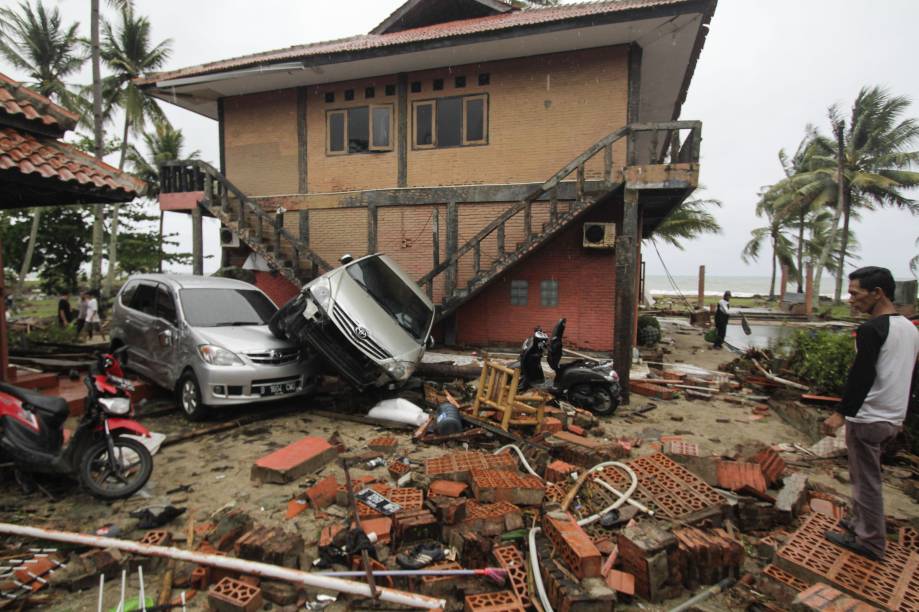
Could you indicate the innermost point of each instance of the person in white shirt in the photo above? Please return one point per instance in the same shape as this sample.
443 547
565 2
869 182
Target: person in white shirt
93 321
722 314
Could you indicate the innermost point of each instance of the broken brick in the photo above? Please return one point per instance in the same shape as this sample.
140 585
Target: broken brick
644 552
495 486
510 559
384 444
640 387
737 476
791 498
771 464
559 471
493 519
576 429
447 510
441 585
447 488
573 544
414 526
823 598
458 465
304 456
270 545
551 425
398 469
381 526
230 595
621 582
473 548
500 601
322 493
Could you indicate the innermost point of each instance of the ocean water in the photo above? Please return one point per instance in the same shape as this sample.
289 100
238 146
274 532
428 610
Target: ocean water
739 286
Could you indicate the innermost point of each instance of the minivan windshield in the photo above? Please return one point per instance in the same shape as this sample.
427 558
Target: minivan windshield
226 307
393 295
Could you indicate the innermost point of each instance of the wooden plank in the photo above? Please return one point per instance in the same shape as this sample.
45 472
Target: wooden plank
452 239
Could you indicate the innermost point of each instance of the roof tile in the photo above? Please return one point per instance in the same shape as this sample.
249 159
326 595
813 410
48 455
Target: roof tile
20 100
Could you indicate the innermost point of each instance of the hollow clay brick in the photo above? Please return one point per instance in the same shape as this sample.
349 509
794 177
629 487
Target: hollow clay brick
573 544
230 595
494 486
304 456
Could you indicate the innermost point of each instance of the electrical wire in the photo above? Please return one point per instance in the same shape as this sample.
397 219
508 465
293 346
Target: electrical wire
670 277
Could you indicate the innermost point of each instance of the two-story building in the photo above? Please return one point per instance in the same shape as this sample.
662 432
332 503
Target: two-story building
509 158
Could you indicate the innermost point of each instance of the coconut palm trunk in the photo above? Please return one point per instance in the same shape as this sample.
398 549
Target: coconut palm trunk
775 247
113 231
841 190
841 270
801 253
95 275
30 250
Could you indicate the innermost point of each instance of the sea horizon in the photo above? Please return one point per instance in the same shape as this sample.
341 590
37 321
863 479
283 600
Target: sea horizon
741 285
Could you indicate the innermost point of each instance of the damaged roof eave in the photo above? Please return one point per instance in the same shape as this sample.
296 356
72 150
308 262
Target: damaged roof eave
671 41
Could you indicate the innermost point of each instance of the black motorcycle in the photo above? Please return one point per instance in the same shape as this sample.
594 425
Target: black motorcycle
593 385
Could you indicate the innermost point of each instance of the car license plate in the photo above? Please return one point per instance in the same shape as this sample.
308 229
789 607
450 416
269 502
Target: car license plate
279 389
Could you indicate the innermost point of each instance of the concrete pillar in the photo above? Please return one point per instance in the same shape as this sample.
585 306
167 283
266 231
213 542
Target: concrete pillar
626 271
700 300
809 290
197 242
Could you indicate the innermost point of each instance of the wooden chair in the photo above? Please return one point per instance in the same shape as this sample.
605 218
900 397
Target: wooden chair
497 391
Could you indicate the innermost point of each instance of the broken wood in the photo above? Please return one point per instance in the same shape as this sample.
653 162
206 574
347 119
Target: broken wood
448 370
776 379
360 418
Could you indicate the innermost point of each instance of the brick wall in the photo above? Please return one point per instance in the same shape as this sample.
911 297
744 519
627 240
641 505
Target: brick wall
586 288
260 137
542 112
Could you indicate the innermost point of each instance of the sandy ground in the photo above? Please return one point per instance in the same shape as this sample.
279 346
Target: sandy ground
213 470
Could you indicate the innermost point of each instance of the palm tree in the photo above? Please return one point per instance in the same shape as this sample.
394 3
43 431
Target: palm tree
127 51
783 249
819 224
164 143
37 42
914 262
868 163
688 221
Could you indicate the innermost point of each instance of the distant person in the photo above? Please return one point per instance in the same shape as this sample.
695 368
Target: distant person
93 320
81 312
874 404
722 314
64 311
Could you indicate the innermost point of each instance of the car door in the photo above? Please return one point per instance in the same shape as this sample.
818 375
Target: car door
164 337
139 318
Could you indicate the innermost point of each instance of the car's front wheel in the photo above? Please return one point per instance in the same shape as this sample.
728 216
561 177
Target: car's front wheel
188 397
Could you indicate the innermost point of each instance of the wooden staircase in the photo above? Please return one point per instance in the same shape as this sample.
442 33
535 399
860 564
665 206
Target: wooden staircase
656 143
261 231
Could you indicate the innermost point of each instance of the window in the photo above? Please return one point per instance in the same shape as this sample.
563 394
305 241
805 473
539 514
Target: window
390 90
450 122
329 97
128 292
416 86
459 82
484 79
359 129
370 92
226 307
438 84
548 293
165 305
349 95
519 290
144 299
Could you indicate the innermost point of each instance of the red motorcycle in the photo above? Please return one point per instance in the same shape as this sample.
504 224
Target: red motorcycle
99 453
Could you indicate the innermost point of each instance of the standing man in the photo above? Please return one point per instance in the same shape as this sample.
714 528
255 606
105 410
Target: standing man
873 405
81 313
93 321
64 311
722 314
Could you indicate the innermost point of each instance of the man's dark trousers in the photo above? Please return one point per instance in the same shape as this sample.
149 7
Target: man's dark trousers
865 441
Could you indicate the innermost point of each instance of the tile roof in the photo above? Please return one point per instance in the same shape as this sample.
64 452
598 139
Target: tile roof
17 99
463 27
51 159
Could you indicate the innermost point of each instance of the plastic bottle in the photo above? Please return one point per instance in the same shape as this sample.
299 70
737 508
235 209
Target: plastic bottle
447 420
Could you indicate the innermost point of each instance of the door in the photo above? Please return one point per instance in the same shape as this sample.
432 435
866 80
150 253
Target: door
164 337
138 319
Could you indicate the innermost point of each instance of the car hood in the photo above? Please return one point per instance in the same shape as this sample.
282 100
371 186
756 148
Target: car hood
365 312
241 339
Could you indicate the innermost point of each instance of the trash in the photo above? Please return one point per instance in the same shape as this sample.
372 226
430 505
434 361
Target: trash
156 516
447 420
377 502
420 556
399 410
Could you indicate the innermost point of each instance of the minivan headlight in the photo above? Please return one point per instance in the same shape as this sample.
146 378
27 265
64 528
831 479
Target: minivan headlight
115 405
397 369
321 295
215 355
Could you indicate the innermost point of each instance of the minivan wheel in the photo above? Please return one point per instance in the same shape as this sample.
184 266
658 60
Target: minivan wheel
189 397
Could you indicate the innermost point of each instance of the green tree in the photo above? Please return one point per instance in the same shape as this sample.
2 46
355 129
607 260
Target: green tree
783 249
867 163
127 51
914 262
688 221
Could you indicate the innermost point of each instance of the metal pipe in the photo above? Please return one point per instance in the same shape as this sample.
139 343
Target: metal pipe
712 590
255 568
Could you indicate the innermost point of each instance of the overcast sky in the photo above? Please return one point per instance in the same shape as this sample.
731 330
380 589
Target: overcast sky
769 67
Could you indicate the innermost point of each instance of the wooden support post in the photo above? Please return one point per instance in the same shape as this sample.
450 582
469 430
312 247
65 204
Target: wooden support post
197 242
258 224
435 246
4 344
809 290
674 146
302 184
527 221
580 183
553 205
224 197
452 239
477 259
241 211
221 137
304 215
371 228
608 162
626 269
700 300
500 240
278 226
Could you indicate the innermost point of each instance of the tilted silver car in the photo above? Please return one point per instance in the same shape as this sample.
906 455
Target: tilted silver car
367 318
207 339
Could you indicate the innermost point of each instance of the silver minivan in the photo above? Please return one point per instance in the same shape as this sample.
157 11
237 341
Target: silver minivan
367 318
207 339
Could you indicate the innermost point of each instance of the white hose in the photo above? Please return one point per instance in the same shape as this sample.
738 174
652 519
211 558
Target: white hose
531 537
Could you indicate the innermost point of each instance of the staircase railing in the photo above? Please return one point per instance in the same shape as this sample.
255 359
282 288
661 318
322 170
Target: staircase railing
665 144
196 175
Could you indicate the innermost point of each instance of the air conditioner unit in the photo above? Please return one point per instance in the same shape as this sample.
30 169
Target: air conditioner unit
599 235
228 238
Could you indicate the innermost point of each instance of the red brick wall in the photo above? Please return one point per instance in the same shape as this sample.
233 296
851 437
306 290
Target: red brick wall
586 292
275 286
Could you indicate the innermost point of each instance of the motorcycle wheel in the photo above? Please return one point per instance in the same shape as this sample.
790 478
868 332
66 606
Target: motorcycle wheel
134 467
596 398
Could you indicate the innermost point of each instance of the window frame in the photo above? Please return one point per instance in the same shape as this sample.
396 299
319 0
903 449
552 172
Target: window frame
543 286
525 284
370 146
464 142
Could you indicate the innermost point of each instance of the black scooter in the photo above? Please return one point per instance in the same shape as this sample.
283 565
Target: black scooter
593 385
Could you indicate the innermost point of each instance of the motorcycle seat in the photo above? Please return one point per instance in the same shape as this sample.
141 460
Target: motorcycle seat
54 407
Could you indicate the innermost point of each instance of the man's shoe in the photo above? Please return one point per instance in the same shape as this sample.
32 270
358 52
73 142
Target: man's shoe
848 524
848 541
421 556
